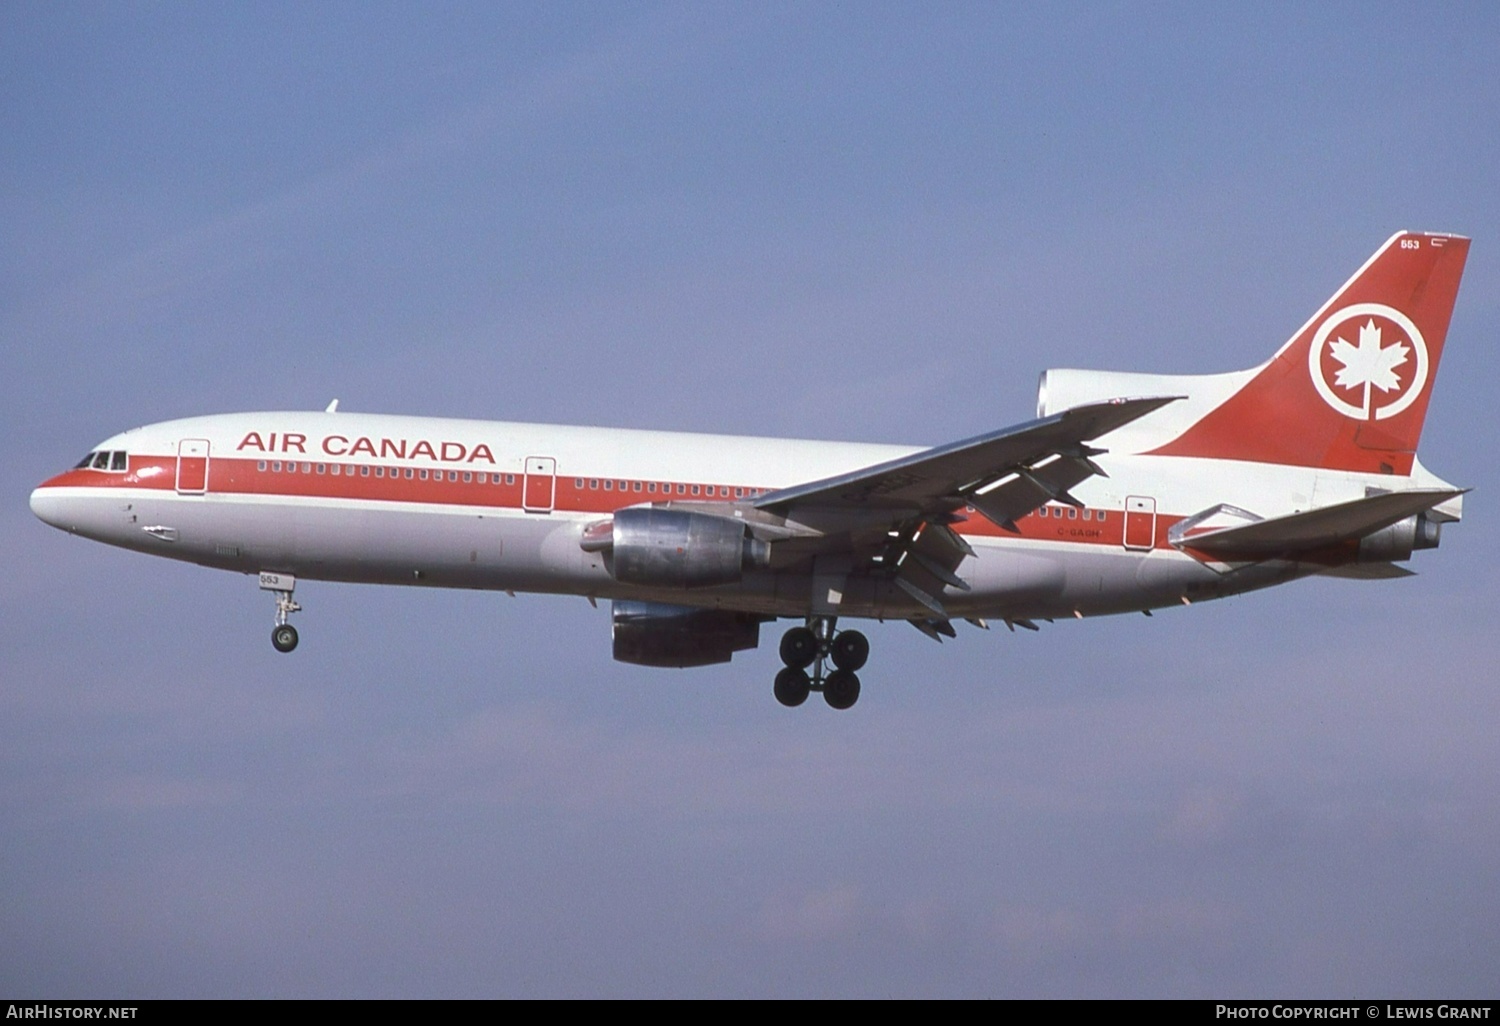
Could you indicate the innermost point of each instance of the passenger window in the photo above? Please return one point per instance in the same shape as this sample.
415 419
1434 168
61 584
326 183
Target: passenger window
636 486
422 474
260 465
409 473
609 486
364 471
453 476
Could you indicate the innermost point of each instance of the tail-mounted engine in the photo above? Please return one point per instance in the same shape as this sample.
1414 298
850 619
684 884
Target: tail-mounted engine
1397 542
667 548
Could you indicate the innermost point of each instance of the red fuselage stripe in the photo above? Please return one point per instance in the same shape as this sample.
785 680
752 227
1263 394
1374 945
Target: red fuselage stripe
502 491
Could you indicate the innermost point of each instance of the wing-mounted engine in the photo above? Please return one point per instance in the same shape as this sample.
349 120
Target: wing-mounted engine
669 548
656 634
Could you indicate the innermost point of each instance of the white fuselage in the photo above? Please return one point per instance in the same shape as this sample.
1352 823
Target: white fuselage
493 505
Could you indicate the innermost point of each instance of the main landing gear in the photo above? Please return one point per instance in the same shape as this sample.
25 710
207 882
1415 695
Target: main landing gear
811 646
283 635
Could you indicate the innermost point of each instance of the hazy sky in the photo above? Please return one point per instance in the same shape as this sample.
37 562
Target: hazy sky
862 221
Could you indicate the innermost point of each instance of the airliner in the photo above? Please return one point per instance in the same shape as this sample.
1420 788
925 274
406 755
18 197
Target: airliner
1127 493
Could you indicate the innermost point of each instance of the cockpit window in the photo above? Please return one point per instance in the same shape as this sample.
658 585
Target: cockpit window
104 459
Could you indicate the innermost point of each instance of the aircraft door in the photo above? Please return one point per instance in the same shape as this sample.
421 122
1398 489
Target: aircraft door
1140 522
540 484
192 466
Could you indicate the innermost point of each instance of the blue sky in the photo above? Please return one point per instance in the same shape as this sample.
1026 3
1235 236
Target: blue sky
875 222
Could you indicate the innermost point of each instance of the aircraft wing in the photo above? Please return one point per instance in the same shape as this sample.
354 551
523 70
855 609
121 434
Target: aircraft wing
895 517
1004 474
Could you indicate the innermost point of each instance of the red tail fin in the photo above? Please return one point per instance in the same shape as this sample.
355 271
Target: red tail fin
1350 390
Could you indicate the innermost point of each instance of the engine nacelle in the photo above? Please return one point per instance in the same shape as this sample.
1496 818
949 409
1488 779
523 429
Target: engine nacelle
668 548
655 634
1397 542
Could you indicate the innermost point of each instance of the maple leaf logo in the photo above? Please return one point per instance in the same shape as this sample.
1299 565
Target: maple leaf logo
1370 367
1369 364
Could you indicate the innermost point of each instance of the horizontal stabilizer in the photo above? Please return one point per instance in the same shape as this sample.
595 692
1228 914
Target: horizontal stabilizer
1369 572
1306 531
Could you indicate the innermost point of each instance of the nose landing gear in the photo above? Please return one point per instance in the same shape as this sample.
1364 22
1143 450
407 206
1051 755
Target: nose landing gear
809 647
283 635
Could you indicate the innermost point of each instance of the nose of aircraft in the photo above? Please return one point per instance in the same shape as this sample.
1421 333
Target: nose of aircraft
49 506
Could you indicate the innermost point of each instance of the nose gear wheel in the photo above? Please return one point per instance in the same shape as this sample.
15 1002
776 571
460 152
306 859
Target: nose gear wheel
283 635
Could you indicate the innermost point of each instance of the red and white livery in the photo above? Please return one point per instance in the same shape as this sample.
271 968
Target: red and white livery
1126 493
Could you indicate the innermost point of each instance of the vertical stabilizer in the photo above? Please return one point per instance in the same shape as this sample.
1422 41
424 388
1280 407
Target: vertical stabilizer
1349 391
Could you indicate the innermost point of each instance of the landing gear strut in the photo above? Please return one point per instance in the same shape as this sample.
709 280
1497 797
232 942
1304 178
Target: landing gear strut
812 646
283 635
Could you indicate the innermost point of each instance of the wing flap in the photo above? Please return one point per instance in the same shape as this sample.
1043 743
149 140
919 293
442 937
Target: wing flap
1017 494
